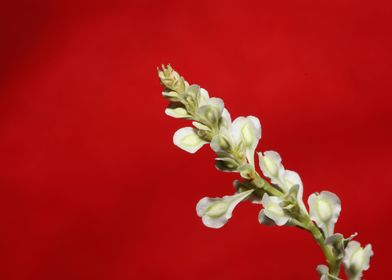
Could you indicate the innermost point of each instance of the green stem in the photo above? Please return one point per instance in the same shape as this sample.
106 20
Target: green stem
333 263
263 184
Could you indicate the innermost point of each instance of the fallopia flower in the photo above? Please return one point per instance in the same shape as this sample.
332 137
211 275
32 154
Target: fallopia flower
236 141
338 243
271 165
215 212
272 211
356 259
247 131
324 209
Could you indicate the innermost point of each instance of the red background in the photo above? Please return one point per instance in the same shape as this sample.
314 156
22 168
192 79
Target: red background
91 186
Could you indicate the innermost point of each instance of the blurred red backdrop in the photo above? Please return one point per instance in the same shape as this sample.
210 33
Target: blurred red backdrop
91 186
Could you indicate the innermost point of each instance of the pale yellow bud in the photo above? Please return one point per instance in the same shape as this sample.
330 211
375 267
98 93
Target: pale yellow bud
171 79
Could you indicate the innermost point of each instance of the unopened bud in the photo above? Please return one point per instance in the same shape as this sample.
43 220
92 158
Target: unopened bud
171 79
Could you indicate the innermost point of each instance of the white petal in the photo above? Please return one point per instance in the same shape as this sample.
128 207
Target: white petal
226 119
186 139
204 97
177 112
271 165
256 123
215 212
217 103
214 222
202 205
234 200
324 209
171 95
291 178
247 131
194 91
201 126
236 127
273 210
244 130
263 219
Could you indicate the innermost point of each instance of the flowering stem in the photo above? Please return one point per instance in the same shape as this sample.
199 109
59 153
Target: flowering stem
234 143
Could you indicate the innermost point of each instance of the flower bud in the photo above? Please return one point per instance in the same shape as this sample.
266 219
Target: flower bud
171 79
356 259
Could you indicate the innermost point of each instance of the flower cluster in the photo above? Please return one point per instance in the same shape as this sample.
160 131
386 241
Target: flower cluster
279 190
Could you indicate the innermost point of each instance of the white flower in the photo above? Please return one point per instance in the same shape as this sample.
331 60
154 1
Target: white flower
291 179
215 212
271 165
243 135
247 131
356 259
324 209
187 139
209 109
273 211
223 140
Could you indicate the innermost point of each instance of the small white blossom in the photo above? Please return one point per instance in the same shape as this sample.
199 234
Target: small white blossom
271 165
273 211
243 135
356 259
187 139
291 179
247 131
324 210
215 212
209 109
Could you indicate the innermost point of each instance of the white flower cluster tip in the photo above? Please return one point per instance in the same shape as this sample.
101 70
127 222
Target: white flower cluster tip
234 143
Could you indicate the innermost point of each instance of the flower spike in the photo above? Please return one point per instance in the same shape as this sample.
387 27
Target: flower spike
279 190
